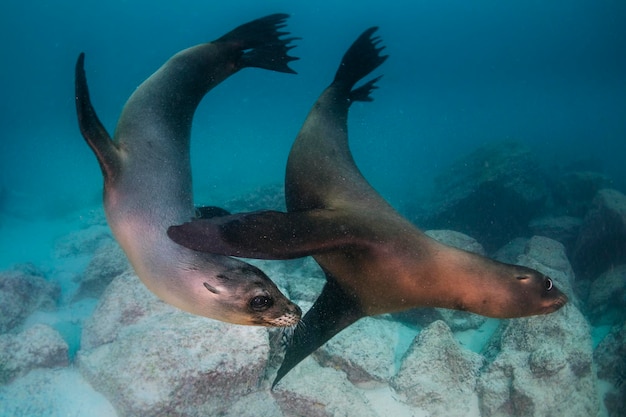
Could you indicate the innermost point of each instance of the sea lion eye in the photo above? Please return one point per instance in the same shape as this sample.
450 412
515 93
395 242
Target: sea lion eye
548 284
261 303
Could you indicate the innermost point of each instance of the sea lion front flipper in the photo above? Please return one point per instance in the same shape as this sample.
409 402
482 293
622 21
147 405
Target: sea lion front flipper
261 43
91 128
265 234
333 311
209 212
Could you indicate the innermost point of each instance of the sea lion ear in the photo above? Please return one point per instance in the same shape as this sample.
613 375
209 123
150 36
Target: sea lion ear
264 234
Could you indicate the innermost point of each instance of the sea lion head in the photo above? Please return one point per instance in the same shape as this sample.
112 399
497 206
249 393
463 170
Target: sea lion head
519 291
537 292
240 294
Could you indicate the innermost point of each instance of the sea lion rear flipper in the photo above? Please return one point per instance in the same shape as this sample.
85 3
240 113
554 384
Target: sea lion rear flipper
333 311
91 128
261 44
360 59
265 234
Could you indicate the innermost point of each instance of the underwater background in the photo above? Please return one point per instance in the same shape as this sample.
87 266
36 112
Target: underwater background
547 76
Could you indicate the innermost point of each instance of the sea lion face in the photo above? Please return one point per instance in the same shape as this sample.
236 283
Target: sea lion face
531 293
243 294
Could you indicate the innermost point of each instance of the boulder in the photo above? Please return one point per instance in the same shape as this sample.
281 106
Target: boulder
601 243
52 393
269 197
563 229
107 262
491 194
365 351
22 291
312 391
607 297
38 347
438 375
457 240
83 242
573 191
188 365
610 359
535 360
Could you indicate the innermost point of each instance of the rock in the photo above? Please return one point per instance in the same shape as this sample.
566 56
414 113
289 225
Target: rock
108 262
610 359
573 191
563 229
601 243
257 404
438 375
457 320
550 254
22 291
312 391
535 360
269 197
188 365
38 347
299 279
52 393
545 255
83 242
457 240
307 284
365 351
126 301
607 297
491 194
511 251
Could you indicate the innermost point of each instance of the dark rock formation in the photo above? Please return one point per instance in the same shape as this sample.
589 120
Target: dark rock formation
563 229
606 304
610 359
601 243
491 195
573 191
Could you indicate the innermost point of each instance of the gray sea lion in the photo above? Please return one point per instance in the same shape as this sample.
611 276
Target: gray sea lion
375 260
147 177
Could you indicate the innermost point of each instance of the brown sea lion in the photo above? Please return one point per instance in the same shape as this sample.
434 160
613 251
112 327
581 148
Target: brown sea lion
375 260
147 177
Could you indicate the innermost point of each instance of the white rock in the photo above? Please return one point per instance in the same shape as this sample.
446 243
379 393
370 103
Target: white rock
38 347
365 350
438 375
151 359
312 391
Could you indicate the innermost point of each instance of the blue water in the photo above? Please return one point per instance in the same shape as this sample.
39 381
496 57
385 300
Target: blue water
460 74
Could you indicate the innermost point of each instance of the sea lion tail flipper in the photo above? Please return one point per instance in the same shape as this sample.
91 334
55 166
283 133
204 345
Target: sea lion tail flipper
264 234
261 43
91 128
361 58
333 311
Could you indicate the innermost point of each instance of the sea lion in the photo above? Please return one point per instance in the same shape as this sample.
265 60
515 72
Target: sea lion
374 259
147 177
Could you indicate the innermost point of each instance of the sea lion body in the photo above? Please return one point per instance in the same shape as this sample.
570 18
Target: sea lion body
374 259
148 184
